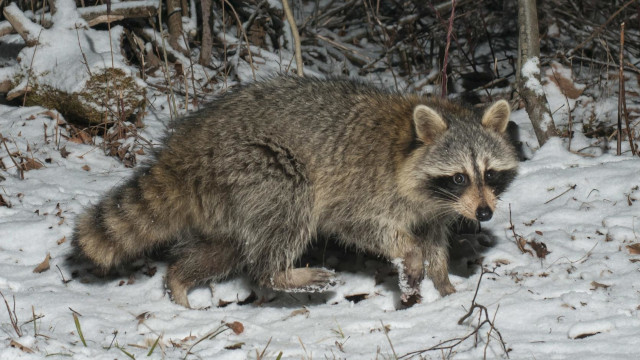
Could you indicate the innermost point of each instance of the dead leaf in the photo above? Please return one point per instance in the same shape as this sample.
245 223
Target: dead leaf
596 285
236 327
4 202
540 248
63 152
634 249
188 338
17 345
50 114
43 266
303 311
586 335
31 164
142 317
539 232
62 241
86 168
566 85
234 346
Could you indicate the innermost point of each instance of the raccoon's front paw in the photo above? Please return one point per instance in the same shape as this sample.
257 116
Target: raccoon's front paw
445 289
304 280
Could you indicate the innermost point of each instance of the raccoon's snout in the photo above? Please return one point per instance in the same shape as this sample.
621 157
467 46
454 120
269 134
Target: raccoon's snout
484 213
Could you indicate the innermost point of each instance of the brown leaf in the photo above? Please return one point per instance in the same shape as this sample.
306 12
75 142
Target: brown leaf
236 327
566 85
142 317
43 266
586 335
50 114
539 232
4 202
540 248
304 311
634 249
31 164
596 285
62 241
15 344
86 168
63 152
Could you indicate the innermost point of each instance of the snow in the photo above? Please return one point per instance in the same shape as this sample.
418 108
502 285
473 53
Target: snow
544 308
579 302
531 71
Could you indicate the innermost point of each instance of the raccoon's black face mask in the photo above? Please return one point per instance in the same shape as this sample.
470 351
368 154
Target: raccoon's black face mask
469 163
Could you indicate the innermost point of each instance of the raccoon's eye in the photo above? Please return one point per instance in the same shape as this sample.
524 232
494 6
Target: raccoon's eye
490 175
459 179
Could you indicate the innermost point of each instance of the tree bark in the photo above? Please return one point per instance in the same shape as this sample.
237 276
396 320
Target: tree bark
207 39
174 19
528 72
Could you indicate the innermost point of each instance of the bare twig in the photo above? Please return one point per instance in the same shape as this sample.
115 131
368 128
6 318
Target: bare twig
571 187
18 167
13 317
446 49
296 36
386 333
599 29
246 39
622 101
483 319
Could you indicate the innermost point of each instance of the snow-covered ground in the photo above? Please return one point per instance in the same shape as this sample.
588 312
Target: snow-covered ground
580 301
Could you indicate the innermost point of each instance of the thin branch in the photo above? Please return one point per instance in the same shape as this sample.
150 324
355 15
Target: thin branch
296 36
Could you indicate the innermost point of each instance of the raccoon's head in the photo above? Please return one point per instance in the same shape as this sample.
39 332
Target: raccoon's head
466 161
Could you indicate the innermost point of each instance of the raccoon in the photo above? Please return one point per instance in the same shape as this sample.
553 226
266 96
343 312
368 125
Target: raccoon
247 183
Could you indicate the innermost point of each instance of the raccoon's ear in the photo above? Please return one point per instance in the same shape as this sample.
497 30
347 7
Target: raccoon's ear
429 124
496 117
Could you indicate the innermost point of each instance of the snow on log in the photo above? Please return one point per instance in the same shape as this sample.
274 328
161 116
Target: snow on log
78 71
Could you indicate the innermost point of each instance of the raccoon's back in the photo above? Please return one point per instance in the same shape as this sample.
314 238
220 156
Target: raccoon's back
321 122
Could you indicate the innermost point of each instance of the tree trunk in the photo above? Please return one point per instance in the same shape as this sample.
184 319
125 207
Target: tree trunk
528 76
207 39
174 19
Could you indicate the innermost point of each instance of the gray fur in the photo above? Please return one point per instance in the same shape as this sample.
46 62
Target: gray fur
248 182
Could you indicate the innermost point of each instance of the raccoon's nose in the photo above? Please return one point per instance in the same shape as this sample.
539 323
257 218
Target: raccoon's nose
484 213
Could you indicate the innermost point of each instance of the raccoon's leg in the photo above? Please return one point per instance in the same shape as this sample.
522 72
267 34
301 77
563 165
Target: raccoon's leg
198 259
436 253
407 255
139 215
271 208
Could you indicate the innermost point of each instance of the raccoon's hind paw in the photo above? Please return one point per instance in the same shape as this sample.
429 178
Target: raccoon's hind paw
177 290
304 280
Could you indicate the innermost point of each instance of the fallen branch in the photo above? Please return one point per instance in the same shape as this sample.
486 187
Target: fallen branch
26 28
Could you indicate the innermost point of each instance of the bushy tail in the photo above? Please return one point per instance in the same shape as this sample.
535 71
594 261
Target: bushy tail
129 220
